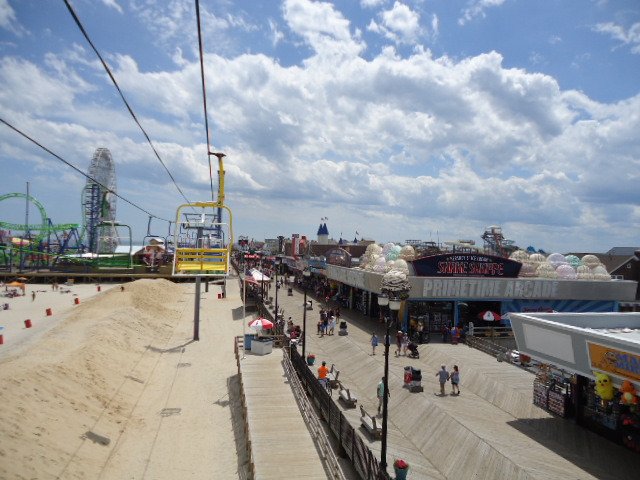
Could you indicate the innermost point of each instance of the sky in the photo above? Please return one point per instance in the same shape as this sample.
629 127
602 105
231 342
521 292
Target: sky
388 120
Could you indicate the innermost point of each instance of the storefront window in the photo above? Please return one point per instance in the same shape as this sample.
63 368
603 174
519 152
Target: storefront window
432 320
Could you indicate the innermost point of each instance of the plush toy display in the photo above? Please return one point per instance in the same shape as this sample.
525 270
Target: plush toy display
604 387
629 394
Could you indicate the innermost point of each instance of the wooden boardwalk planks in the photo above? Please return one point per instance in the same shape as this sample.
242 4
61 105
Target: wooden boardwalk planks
281 445
492 430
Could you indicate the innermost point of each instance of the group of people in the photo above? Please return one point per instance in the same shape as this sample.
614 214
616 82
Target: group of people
402 343
444 376
328 321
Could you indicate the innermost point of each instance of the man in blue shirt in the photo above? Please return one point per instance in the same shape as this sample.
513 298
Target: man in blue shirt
444 376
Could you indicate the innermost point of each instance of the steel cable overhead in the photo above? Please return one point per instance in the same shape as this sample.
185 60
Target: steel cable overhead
80 171
115 83
204 98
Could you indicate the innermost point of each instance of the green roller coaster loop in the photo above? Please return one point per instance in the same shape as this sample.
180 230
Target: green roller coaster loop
44 228
36 233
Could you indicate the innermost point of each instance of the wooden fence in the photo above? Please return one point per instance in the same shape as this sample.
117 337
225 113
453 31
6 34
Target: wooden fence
363 460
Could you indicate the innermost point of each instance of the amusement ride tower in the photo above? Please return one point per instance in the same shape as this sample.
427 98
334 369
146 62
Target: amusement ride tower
99 204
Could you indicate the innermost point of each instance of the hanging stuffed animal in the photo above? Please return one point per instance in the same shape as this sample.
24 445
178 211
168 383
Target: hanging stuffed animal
604 387
628 393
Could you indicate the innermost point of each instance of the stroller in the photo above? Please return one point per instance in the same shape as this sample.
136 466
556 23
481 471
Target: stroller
413 379
413 350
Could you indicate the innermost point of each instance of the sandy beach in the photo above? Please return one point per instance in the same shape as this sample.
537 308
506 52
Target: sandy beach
114 387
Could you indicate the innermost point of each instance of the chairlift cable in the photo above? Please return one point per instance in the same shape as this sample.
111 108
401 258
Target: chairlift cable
107 189
204 97
115 83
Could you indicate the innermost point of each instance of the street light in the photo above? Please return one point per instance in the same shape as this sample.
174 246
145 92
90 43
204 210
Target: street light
383 301
306 273
395 288
277 267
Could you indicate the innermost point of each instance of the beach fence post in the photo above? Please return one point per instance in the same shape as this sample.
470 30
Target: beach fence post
196 312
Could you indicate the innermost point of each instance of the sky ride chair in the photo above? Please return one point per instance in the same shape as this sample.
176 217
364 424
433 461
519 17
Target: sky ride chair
202 242
112 248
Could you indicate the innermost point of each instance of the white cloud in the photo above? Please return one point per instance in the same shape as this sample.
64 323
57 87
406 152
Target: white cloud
435 25
416 144
629 37
371 3
476 8
276 35
401 25
113 4
9 21
554 39
322 27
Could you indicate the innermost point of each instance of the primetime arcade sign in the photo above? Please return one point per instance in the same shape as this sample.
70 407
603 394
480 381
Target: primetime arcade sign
466 265
482 288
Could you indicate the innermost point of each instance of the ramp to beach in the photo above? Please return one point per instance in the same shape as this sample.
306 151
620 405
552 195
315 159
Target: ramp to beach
279 440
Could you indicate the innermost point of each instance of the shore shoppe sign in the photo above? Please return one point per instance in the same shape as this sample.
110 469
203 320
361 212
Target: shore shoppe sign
466 265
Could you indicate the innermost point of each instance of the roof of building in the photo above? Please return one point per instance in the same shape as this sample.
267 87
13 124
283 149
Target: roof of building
623 251
323 230
611 262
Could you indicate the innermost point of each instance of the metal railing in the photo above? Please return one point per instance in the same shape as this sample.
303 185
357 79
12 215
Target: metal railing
363 460
313 422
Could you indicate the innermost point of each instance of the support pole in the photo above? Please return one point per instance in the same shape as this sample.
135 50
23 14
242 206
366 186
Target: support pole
304 322
196 312
385 402
244 314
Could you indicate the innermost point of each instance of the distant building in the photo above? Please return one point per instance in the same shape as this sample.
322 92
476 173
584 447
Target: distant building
323 234
623 263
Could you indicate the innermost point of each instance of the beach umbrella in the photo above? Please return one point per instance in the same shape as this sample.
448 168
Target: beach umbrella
261 323
490 316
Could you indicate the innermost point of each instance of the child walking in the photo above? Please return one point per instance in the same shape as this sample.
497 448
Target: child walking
455 381
374 343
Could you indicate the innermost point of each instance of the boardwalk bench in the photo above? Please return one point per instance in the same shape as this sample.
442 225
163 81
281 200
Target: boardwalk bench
370 424
334 374
346 398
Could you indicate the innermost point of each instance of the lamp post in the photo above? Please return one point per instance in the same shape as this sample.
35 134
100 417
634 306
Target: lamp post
277 267
395 288
306 273
383 301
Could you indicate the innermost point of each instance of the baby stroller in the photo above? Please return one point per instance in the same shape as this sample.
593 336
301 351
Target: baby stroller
413 379
413 350
343 328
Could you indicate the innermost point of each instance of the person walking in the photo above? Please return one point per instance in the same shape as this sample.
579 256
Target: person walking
399 336
33 295
380 394
332 324
443 377
405 344
374 343
455 381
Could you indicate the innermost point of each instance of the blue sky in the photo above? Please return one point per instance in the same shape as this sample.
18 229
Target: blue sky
424 119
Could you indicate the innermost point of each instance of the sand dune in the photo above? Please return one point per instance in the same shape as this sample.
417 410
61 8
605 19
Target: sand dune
67 399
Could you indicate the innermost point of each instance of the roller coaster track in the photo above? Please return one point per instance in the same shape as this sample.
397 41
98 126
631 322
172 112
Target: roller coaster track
45 227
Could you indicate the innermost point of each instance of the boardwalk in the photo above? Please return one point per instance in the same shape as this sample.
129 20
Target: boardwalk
280 442
492 430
